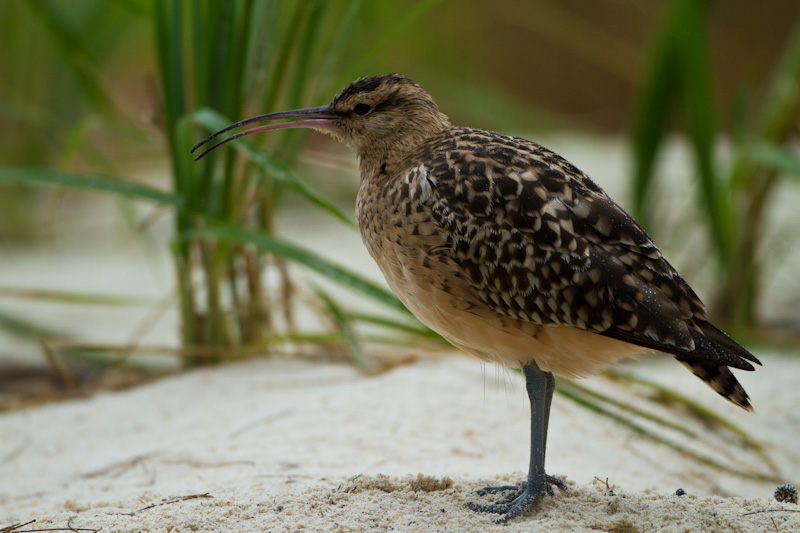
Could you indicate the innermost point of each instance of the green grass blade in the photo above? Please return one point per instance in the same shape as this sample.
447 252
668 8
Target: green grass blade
327 338
779 158
285 49
305 48
708 416
568 391
336 52
306 258
223 54
776 120
679 70
202 38
260 46
67 297
27 329
655 99
698 108
634 411
34 176
168 16
345 327
779 116
416 329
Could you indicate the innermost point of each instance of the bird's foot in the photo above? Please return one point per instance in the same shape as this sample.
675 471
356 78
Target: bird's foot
516 498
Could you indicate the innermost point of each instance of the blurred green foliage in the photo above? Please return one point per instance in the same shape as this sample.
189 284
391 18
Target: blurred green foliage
734 198
54 91
217 62
90 87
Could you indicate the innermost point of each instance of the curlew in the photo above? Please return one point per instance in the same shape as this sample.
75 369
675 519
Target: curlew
512 254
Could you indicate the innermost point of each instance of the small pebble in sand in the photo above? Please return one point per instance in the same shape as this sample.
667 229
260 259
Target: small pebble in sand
680 492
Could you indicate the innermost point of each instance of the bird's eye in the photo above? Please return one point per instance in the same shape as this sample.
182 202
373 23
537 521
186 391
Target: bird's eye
362 109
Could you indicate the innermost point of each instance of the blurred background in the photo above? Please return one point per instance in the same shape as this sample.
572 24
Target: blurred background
121 256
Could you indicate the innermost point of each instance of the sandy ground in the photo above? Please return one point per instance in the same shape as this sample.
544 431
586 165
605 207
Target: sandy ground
283 445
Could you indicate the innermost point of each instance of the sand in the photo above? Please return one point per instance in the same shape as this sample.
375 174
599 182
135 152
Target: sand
288 445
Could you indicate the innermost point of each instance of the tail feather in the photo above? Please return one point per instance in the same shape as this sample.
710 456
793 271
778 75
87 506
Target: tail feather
721 379
710 345
725 343
708 349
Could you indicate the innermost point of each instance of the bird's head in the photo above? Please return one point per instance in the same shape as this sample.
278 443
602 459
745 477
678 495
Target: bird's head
377 117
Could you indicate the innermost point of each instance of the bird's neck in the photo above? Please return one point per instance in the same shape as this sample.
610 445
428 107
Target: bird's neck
387 154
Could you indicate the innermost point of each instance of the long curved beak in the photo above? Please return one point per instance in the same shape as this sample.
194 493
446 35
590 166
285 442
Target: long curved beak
320 118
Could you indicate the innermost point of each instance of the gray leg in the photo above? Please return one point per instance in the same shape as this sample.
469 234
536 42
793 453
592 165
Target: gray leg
540 386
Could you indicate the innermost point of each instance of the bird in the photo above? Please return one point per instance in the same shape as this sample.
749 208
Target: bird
511 253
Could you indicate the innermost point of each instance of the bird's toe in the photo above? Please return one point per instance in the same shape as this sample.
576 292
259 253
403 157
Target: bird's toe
508 491
553 480
516 498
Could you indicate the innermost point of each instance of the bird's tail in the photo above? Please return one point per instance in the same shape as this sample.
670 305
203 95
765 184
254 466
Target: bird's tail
721 379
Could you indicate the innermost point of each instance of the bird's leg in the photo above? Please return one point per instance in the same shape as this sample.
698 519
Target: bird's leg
540 386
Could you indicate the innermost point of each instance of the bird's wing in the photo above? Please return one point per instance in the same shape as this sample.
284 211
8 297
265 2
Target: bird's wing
541 242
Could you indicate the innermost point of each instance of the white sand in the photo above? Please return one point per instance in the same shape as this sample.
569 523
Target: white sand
283 445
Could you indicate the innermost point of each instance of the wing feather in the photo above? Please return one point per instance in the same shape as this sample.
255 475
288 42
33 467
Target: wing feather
541 242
